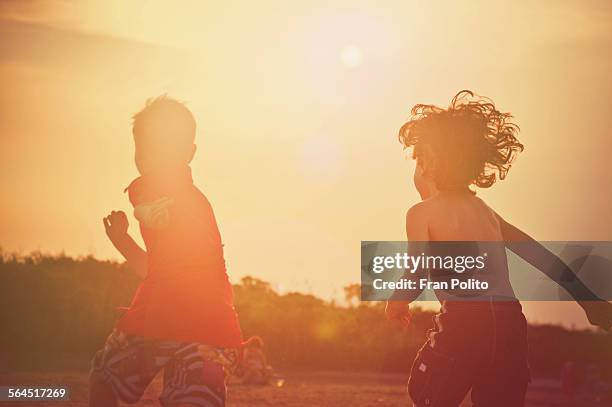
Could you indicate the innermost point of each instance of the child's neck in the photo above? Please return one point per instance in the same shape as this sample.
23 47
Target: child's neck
459 190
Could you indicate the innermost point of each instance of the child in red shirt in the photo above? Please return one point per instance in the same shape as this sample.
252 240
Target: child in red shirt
182 317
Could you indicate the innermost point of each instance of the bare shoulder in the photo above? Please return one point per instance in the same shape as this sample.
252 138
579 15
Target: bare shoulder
492 214
419 212
417 222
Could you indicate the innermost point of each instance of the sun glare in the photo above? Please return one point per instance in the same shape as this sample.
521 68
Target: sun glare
320 158
351 56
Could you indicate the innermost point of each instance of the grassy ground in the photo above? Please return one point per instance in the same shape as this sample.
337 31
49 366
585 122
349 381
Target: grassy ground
301 389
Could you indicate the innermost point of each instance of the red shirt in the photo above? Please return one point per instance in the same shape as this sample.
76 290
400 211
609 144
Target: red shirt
186 295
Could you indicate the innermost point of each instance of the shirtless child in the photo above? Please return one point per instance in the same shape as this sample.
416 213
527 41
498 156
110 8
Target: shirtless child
480 345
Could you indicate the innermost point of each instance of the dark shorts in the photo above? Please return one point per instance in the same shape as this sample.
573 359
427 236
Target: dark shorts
188 376
482 348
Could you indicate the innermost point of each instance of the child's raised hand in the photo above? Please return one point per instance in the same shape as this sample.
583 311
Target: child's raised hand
398 311
116 225
599 313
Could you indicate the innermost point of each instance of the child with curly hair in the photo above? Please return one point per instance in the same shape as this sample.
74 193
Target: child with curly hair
476 345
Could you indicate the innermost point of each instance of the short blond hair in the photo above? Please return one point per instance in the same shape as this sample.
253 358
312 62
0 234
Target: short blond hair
163 120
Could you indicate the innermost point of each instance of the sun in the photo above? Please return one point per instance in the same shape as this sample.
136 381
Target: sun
351 56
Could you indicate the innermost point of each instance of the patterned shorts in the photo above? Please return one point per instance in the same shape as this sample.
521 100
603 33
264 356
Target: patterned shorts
193 373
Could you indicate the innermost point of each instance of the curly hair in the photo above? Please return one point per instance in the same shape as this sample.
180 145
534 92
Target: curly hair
470 142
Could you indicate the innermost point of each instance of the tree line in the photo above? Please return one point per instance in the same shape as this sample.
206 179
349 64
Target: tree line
59 308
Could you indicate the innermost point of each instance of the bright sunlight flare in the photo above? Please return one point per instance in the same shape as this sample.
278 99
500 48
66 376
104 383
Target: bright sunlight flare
351 56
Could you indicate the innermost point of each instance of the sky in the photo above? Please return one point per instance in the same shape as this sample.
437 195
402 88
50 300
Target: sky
298 106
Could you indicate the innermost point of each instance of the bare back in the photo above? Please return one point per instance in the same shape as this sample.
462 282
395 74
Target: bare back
461 216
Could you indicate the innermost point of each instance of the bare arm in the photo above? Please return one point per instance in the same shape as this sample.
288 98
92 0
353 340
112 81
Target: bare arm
599 312
416 231
116 225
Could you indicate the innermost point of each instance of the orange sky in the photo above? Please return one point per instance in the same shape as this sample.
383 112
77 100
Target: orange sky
298 106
